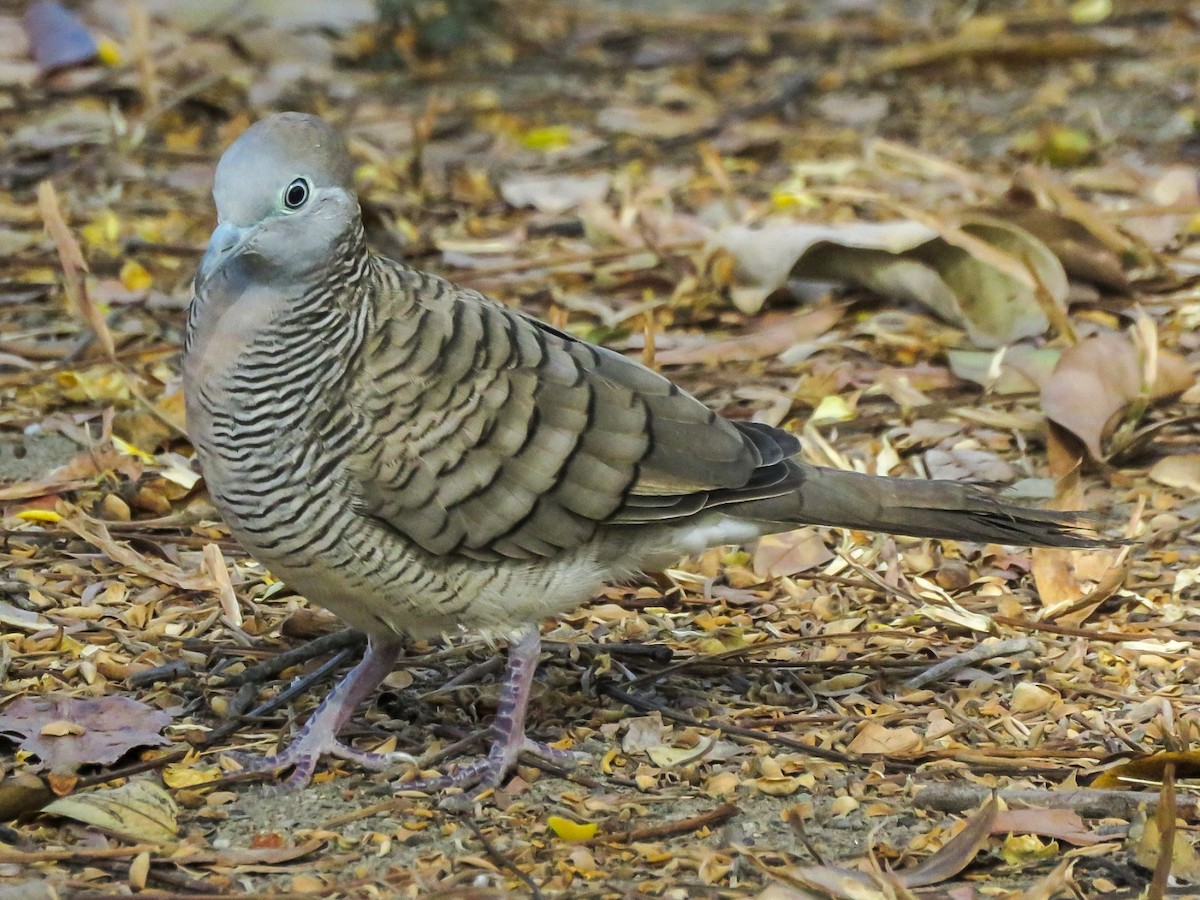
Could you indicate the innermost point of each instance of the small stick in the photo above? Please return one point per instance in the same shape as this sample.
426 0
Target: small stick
501 860
671 828
1098 804
346 639
976 654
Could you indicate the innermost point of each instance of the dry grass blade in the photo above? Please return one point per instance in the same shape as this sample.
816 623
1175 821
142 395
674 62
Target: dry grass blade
1165 817
74 266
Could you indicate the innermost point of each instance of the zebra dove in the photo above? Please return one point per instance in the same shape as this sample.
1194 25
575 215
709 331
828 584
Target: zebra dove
420 459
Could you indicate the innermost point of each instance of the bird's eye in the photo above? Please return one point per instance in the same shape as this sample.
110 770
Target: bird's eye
295 195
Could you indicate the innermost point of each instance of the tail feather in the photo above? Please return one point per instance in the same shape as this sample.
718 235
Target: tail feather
921 508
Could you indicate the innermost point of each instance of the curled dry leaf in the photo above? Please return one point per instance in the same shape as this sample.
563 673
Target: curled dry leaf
982 274
1018 369
1102 379
789 553
1082 254
139 810
1135 773
768 336
957 853
555 194
1179 471
1147 846
68 732
1059 824
892 742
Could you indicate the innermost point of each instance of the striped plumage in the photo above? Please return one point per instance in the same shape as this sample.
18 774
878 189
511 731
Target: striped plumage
418 458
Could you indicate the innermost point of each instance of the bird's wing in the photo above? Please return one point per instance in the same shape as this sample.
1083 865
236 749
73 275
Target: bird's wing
497 436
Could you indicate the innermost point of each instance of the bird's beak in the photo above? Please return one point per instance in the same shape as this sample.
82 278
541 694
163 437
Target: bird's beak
226 240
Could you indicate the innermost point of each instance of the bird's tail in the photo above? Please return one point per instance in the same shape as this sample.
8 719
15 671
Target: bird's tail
921 508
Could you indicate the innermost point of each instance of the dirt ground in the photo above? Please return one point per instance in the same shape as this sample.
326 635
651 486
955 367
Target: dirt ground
772 746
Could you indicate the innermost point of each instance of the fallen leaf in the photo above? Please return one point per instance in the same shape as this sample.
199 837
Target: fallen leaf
570 830
1133 774
67 732
139 810
891 742
1060 824
980 273
1100 379
957 853
768 336
1017 369
555 194
1179 471
789 553
1146 843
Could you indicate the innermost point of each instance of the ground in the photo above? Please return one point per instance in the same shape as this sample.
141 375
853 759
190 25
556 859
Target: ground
754 721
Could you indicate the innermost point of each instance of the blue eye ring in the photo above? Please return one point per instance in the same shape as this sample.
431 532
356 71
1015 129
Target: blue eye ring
296 194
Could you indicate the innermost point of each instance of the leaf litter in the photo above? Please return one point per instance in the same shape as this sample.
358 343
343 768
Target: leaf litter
756 717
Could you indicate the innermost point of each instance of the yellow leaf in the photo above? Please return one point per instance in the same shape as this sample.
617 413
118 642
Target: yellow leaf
102 232
185 775
550 137
1023 848
1090 12
568 830
39 515
135 277
832 409
108 51
129 450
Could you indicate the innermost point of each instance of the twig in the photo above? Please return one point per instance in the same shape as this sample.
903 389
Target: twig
346 639
748 734
671 828
501 860
35 856
1099 804
977 654
167 672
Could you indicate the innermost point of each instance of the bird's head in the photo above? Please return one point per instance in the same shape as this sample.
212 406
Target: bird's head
285 203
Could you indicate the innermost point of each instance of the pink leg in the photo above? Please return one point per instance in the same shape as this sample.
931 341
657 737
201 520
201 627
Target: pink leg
508 728
318 737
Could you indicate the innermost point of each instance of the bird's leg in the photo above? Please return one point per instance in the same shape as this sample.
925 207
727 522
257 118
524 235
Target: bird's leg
508 728
318 737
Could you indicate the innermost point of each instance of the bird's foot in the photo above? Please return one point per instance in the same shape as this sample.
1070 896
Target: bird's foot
319 738
478 776
304 753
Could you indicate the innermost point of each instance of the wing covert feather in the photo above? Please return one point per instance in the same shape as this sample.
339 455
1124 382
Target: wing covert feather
495 435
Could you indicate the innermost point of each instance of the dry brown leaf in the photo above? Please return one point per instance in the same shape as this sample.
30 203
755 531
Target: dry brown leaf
789 553
1146 843
892 742
247 856
1133 774
1059 824
769 336
67 732
957 853
1083 254
982 274
97 534
1100 379
1179 471
139 810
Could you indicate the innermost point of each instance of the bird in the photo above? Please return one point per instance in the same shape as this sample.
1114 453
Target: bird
421 460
